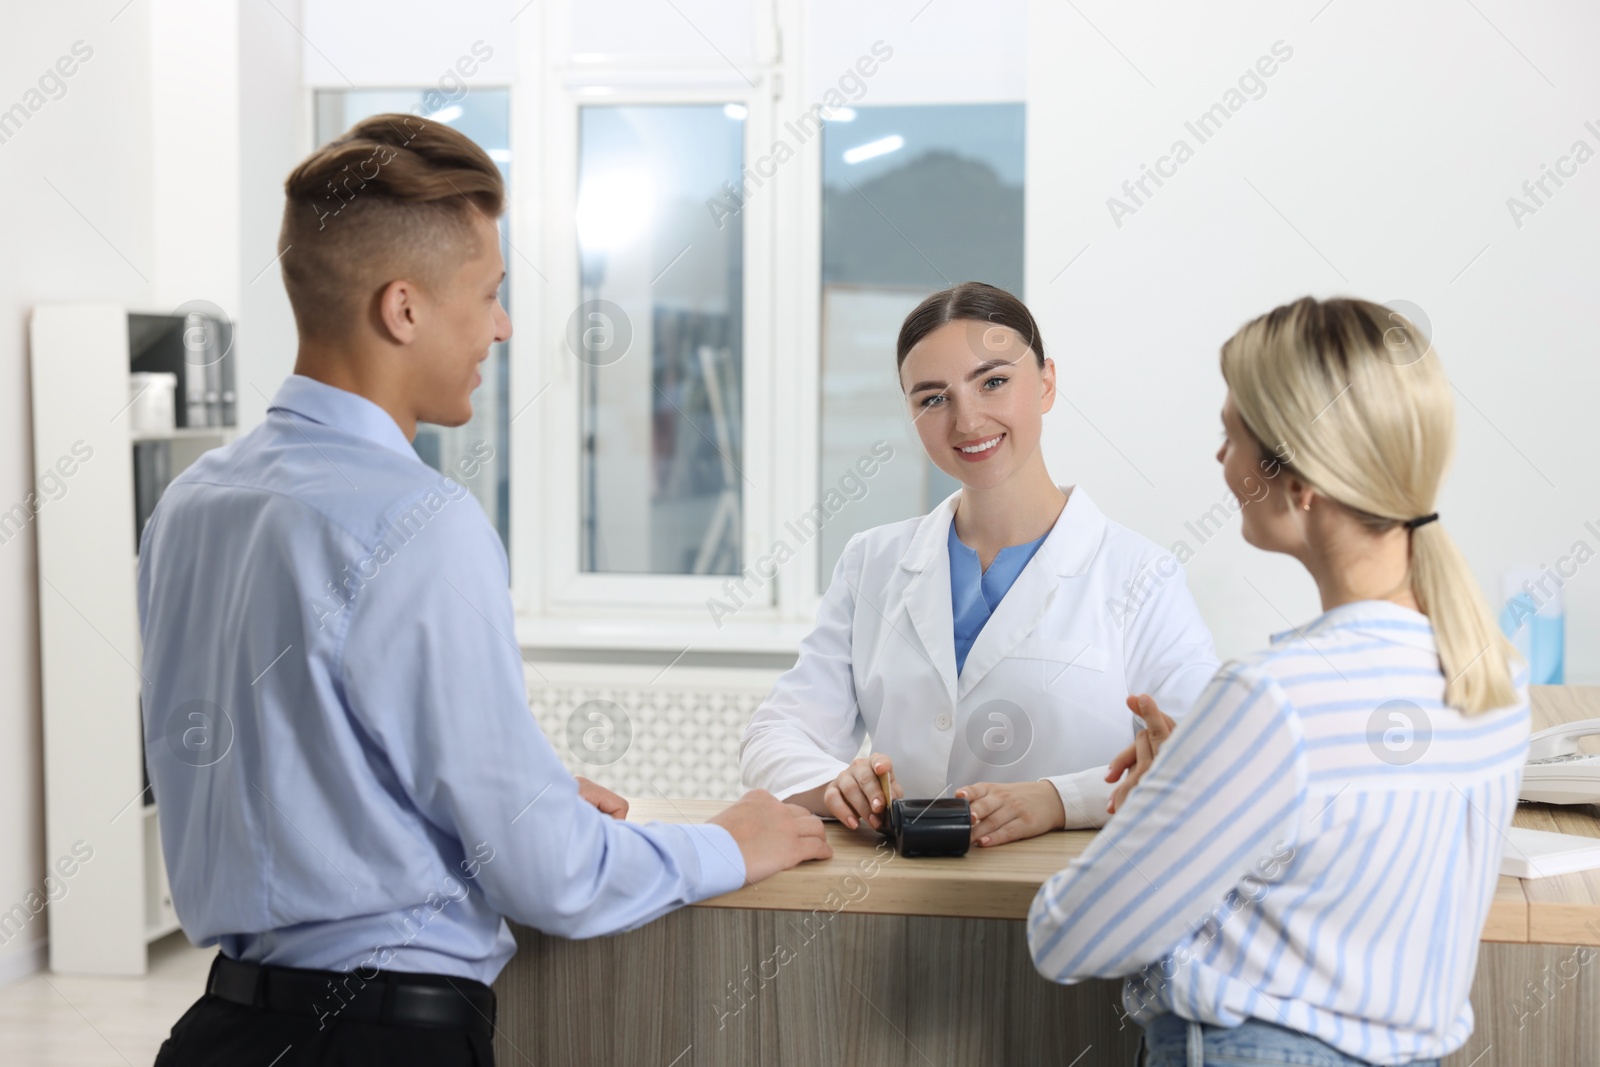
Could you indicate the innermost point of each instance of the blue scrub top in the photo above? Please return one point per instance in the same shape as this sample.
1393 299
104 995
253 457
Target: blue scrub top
975 592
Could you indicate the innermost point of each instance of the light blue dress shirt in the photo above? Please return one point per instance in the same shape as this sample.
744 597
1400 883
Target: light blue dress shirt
336 719
975 592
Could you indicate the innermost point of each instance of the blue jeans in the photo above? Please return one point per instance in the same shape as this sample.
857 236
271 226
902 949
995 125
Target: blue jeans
1170 1041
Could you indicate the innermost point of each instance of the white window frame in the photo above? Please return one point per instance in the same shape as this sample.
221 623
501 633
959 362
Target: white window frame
559 605
556 605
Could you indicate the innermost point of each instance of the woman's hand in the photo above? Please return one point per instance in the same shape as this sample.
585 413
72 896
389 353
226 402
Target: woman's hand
1137 757
856 793
1010 811
608 802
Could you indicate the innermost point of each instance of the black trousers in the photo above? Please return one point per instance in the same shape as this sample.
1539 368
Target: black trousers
216 1031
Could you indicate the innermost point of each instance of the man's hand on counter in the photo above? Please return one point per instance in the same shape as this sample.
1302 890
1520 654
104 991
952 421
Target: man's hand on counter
608 802
772 836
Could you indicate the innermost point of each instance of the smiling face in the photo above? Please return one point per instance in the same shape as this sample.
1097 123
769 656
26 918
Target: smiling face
461 318
977 396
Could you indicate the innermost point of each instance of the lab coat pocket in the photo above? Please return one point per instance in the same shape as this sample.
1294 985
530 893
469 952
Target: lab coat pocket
1048 708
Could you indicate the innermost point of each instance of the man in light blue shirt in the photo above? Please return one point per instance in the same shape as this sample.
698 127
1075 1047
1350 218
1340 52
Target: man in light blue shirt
352 790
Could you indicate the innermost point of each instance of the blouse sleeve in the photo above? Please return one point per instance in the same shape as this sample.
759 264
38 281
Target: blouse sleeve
1222 801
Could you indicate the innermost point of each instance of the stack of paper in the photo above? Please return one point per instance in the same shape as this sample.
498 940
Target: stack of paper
1541 854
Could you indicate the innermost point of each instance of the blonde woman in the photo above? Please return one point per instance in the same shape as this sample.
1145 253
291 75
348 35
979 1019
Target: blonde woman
1302 870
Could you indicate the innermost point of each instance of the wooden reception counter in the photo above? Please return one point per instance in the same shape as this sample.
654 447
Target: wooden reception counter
871 958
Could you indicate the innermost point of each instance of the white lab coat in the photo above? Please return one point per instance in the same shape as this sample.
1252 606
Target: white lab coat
1098 613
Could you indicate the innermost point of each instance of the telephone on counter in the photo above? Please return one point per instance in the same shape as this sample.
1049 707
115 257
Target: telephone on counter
1558 771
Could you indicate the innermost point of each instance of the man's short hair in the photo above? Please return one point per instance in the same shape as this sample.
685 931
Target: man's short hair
391 198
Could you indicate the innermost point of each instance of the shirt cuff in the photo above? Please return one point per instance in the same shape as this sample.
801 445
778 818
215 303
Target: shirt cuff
1084 795
722 867
820 776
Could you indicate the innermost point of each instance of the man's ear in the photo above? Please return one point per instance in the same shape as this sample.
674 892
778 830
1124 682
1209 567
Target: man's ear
399 310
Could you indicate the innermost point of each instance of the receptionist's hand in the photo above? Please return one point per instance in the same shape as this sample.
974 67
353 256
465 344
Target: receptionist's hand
1137 757
1010 811
856 794
608 802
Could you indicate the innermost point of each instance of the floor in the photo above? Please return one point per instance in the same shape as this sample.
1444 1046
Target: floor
54 1020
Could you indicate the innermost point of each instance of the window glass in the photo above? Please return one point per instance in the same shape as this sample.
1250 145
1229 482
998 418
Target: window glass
659 335
915 198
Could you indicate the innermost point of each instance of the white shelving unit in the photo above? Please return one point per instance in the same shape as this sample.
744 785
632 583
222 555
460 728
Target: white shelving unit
117 901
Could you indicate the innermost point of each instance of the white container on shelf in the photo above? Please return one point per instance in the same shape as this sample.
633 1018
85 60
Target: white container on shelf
152 403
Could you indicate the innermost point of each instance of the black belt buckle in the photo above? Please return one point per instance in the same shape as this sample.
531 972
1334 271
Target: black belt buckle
235 981
938 827
424 1005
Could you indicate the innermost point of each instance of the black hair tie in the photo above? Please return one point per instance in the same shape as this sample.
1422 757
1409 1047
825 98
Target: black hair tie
1421 520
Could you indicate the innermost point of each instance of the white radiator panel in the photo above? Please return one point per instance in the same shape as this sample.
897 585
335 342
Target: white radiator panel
645 732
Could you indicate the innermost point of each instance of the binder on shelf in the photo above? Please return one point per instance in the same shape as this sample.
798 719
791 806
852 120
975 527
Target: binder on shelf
199 350
152 470
203 344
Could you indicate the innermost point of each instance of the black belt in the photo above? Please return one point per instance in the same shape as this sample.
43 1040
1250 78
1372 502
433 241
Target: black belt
370 995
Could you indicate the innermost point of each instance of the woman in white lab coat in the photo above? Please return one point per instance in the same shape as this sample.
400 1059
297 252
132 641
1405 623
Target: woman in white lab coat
990 647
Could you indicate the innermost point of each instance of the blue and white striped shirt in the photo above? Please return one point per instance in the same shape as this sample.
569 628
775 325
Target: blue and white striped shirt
1317 846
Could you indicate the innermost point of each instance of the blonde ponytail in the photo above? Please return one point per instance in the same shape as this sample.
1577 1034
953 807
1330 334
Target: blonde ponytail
1351 397
1472 650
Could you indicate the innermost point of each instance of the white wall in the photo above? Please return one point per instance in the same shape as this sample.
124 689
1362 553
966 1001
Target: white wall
274 118
194 117
1378 163
124 188
363 43
88 237
942 54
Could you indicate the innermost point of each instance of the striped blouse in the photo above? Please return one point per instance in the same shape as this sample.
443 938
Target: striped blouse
1317 846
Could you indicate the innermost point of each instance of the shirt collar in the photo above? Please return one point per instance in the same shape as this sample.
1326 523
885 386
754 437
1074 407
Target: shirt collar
1382 619
1068 548
961 548
341 409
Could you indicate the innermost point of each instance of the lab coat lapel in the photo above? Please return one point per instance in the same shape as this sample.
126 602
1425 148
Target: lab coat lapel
927 594
1019 613
1067 551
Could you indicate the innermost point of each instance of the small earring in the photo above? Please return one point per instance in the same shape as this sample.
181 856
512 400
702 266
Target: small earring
1306 506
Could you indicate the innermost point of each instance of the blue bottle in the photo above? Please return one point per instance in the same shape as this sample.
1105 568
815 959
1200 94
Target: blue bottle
1534 619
